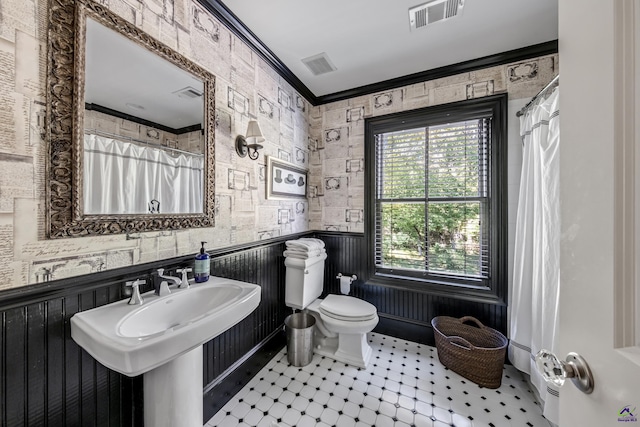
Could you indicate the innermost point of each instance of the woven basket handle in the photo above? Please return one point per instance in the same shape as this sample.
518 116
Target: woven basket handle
472 320
460 342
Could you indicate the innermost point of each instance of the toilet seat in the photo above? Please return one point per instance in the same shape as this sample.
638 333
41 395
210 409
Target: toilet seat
342 325
347 309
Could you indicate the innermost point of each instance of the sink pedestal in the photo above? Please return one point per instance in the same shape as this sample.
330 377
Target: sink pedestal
162 340
173 392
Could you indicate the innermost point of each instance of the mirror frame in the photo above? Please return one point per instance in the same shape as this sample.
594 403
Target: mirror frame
65 126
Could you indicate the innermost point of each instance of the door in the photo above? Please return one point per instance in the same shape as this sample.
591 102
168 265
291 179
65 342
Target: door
599 307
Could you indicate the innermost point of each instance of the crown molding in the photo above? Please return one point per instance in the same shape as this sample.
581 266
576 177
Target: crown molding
237 27
516 55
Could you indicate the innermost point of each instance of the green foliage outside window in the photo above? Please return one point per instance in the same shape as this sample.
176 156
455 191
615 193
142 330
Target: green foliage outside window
430 198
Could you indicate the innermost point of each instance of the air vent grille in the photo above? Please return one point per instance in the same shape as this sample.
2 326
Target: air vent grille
319 64
434 11
421 17
452 8
188 92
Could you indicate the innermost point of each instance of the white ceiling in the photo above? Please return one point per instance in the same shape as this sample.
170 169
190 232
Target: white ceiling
123 76
370 41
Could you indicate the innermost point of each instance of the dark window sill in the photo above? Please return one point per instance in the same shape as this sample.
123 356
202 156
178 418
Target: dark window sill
467 292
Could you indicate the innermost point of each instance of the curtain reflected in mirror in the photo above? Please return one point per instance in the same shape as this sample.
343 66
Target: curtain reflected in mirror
123 177
146 155
148 114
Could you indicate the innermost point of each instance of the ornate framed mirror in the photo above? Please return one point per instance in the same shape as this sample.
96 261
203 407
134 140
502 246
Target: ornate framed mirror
154 108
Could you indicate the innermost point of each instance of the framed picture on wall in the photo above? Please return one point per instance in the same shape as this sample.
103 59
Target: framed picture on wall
285 180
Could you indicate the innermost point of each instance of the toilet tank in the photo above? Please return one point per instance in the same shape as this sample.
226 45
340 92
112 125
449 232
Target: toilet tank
303 281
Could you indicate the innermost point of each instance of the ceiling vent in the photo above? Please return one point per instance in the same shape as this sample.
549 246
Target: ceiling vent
188 92
319 64
434 11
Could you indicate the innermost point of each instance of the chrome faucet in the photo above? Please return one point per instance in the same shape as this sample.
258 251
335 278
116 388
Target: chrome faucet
163 289
185 279
136 298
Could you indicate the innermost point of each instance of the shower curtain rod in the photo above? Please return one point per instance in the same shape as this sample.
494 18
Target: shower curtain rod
140 141
535 98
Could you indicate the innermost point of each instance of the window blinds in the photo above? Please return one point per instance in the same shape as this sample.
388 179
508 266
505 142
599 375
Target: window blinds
432 195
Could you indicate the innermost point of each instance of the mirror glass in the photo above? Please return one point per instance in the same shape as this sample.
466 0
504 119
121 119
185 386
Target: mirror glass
131 128
143 130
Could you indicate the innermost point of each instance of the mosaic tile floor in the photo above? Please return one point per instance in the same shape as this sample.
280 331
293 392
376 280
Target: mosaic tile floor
405 385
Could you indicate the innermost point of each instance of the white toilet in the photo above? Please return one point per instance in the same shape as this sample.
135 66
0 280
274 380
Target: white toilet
342 322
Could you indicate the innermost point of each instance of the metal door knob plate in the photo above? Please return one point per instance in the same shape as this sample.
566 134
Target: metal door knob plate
556 371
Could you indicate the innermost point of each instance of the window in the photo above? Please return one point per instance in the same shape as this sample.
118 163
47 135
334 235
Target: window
436 195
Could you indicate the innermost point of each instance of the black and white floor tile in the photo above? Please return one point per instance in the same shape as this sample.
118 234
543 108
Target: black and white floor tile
405 385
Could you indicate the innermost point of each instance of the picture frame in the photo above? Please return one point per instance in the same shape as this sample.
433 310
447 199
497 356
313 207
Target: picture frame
285 180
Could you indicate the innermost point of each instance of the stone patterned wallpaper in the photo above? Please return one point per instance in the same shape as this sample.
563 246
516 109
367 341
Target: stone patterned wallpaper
328 140
246 88
336 145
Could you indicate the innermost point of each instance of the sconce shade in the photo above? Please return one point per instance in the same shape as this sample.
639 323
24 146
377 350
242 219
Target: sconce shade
243 148
254 131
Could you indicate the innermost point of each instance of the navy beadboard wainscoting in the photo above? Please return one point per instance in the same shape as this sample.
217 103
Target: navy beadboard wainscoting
404 313
48 380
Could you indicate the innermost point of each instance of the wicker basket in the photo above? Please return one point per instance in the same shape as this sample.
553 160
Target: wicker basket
476 352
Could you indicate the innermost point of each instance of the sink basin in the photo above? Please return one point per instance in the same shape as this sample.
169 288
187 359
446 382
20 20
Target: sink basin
134 339
173 313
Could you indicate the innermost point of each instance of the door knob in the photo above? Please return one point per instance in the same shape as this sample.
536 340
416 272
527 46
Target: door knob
556 371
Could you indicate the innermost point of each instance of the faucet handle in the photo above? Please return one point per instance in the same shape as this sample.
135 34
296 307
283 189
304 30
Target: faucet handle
160 271
136 283
184 283
136 298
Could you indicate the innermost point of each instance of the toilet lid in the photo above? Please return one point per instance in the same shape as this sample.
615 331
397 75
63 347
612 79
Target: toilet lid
343 307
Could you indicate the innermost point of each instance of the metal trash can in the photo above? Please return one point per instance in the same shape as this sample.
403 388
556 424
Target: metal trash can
299 329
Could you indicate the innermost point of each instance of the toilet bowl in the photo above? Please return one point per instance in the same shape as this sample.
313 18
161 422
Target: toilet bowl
342 322
341 313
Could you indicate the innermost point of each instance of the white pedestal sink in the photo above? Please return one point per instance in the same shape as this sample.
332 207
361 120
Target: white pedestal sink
163 339
173 392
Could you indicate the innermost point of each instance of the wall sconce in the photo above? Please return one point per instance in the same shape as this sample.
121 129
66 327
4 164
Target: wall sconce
243 148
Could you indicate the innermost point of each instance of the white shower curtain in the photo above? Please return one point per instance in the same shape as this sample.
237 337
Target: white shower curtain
125 178
536 270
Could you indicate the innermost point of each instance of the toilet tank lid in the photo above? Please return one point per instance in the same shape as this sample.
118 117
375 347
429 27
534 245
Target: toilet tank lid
346 306
303 263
